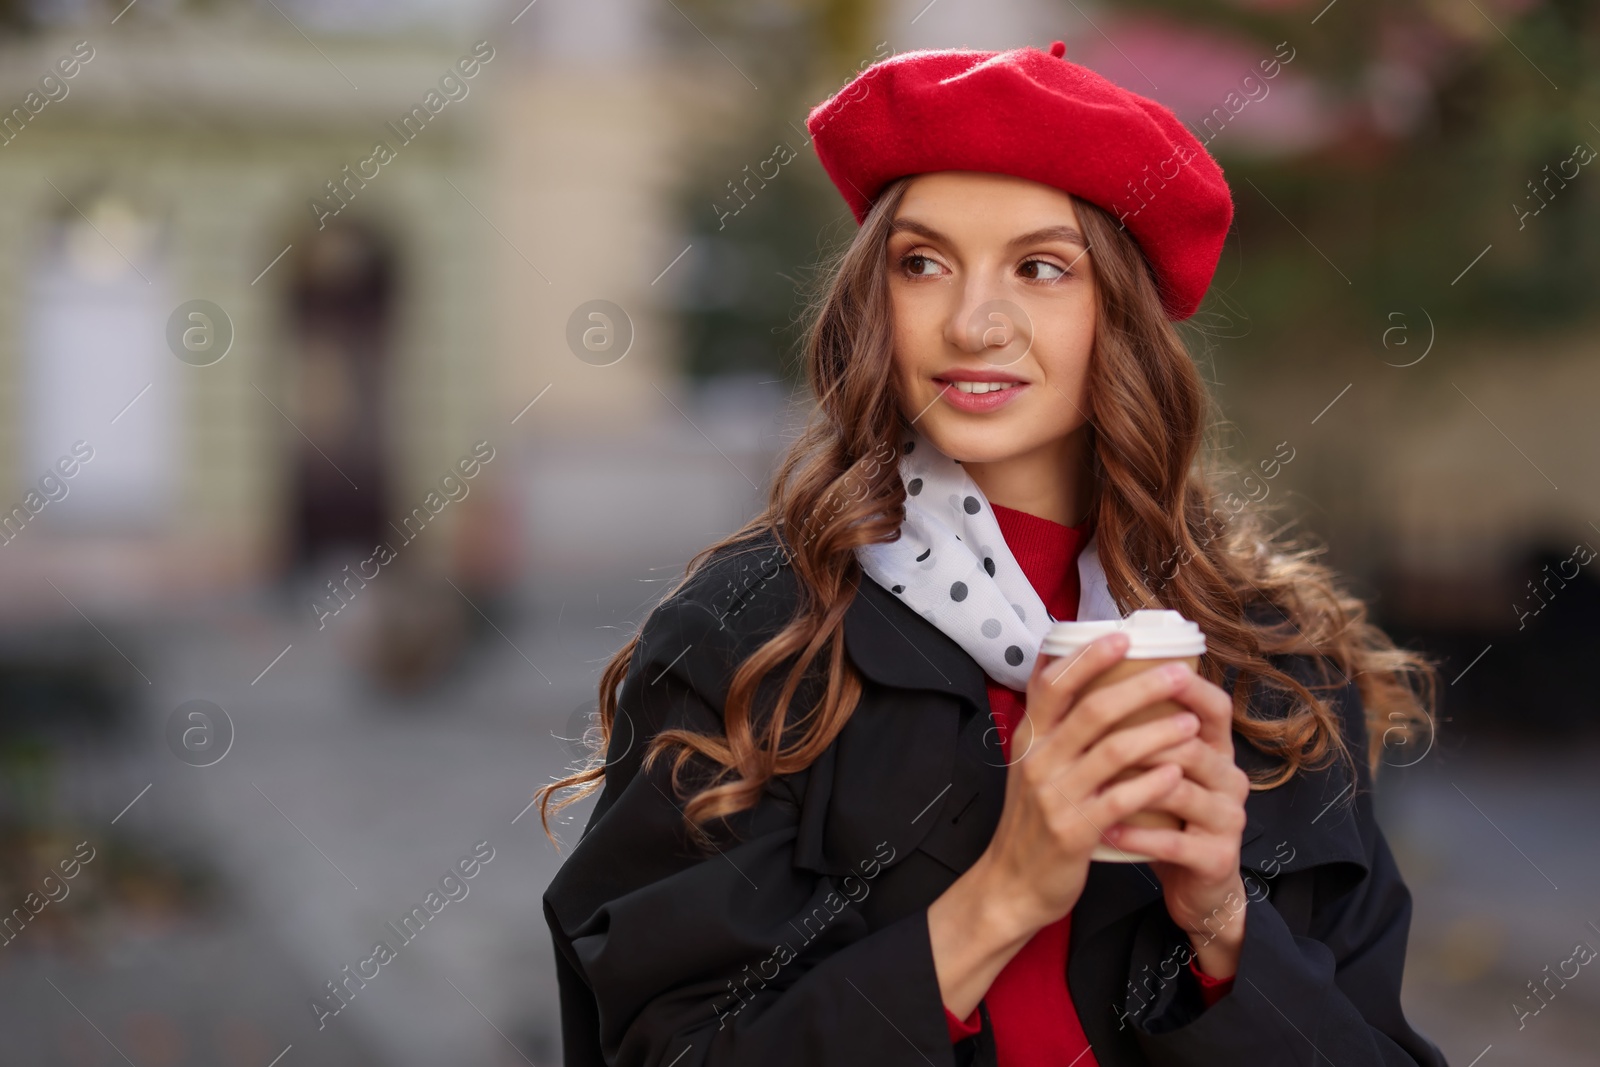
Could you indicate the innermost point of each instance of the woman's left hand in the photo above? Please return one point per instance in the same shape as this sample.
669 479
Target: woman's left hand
1199 865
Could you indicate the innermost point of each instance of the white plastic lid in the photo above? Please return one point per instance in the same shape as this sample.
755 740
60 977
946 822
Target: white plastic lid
1153 633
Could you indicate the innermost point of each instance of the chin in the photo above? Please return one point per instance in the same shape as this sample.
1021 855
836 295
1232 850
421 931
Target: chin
988 441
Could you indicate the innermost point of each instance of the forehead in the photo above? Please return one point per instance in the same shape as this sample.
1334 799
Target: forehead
984 201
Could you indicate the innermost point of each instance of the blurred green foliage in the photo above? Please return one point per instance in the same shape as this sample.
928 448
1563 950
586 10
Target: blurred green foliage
1404 215
757 242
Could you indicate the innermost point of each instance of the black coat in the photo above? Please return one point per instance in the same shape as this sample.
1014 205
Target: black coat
804 939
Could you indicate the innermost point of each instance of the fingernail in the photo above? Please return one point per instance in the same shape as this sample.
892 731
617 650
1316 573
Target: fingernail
1177 672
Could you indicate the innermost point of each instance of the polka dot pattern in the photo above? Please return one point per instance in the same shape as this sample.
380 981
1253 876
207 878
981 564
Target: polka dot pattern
951 565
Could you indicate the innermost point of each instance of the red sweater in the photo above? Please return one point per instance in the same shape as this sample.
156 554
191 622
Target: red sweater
1035 1022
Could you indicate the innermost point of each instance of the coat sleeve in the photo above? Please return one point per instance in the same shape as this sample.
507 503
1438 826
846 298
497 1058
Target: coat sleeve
668 956
1332 996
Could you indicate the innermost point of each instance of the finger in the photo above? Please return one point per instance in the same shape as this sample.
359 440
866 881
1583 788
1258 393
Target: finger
1205 765
1023 733
1057 681
1097 713
1109 807
1138 746
1213 859
1205 810
1214 706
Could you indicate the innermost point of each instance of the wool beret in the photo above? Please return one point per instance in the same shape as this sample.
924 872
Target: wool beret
1034 115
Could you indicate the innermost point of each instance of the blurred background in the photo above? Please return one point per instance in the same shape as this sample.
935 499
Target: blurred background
491 285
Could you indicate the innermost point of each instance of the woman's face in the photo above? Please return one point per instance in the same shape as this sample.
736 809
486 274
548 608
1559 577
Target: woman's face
990 282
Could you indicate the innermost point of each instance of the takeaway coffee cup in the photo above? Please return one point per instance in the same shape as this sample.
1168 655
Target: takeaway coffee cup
1155 637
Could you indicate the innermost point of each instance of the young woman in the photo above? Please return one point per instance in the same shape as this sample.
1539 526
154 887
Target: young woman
847 807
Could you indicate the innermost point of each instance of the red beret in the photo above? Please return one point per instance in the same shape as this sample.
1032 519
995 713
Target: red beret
1034 115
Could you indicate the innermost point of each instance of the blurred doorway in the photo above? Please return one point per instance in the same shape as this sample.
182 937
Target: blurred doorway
341 309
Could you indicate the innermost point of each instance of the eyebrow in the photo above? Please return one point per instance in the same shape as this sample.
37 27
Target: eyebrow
1039 236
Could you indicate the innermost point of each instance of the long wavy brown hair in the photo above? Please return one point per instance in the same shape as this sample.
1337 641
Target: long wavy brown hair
1169 536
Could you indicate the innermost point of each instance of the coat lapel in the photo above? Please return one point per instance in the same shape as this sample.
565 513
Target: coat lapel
894 770
894 646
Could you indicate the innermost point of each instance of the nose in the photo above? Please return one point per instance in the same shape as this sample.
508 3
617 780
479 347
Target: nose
983 321
967 326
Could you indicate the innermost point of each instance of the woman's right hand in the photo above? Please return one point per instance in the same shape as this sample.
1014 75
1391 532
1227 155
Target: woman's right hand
1063 754
1057 803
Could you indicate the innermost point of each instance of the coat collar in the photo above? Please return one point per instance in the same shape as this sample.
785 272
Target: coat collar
894 646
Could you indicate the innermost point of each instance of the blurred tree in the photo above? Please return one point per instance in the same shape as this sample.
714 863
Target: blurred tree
758 208
1453 121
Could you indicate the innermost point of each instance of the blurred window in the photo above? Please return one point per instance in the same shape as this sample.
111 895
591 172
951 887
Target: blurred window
94 342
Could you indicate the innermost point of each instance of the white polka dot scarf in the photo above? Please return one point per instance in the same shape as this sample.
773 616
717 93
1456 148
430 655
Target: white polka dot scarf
952 566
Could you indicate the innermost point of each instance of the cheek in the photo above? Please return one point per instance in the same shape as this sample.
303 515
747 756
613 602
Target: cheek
1063 346
909 337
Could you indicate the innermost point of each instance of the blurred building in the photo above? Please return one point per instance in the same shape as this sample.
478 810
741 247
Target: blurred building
339 362
380 313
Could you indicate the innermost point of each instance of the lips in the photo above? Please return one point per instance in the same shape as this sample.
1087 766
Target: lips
979 392
978 382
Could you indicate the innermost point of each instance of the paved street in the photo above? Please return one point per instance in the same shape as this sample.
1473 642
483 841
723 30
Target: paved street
1502 854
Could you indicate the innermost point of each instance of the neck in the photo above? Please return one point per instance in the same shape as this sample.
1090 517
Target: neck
1053 481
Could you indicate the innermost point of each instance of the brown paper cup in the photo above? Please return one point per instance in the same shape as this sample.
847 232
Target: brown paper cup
1156 636
1161 820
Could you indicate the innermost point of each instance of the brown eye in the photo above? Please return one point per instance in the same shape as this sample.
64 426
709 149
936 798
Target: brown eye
1042 270
920 266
